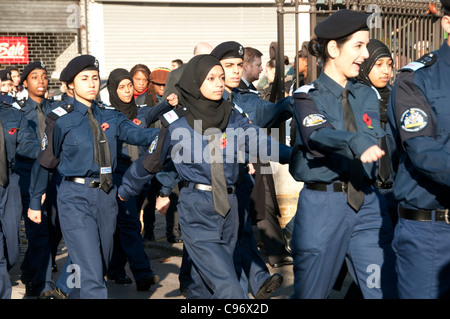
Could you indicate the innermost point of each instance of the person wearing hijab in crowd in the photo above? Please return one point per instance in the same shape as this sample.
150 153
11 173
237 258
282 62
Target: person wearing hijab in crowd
206 159
16 138
376 71
341 214
128 243
80 142
141 80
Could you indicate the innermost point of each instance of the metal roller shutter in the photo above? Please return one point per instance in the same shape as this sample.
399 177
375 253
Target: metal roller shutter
155 34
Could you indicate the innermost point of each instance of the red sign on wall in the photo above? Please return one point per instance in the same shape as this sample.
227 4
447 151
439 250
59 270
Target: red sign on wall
14 50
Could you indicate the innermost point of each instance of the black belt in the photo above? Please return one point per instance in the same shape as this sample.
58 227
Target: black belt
384 185
91 183
323 187
204 187
441 215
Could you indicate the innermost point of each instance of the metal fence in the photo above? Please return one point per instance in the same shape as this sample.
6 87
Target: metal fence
409 28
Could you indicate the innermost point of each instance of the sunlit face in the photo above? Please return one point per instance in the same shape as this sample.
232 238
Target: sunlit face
214 84
159 88
36 84
125 90
348 58
15 76
233 71
86 86
140 82
253 70
381 72
302 65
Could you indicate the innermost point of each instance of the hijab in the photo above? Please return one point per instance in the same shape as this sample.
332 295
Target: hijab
115 77
213 114
377 50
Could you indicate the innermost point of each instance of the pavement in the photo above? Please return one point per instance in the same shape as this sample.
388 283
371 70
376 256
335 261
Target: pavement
165 260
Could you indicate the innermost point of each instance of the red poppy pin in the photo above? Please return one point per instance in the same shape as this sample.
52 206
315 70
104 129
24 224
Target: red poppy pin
223 141
105 126
137 122
368 121
12 131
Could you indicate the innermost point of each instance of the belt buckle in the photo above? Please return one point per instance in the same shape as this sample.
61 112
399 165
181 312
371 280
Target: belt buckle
446 216
94 184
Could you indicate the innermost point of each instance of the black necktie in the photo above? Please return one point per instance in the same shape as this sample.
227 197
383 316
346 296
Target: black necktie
384 164
3 158
218 182
101 152
41 120
355 193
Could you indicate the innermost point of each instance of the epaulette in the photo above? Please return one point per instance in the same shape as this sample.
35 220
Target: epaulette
425 61
60 111
248 91
306 88
173 115
105 106
58 97
376 91
141 105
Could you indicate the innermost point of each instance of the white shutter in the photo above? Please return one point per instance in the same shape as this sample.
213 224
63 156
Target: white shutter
155 34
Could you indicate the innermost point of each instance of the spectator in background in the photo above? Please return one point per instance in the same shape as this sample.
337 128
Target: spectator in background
251 69
158 79
176 64
15 77
270 75
7 83
141 80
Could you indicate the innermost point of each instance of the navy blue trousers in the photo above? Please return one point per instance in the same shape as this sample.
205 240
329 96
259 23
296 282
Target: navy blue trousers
327 232
88 220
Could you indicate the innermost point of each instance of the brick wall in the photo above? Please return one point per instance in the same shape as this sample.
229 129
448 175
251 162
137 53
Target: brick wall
48 47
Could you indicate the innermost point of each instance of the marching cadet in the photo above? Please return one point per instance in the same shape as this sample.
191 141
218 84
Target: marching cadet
419 114
340 214
80 142
262 114
43 238
16 138
128 244
207 207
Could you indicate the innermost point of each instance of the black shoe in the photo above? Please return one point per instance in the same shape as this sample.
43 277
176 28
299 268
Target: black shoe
270 285
184 291
53 294
29 289
121 280
283 262
145 283
174 240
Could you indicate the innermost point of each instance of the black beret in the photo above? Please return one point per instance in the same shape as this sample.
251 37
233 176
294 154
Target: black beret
228 50
31 67
342 23
5 75
446 6
76 65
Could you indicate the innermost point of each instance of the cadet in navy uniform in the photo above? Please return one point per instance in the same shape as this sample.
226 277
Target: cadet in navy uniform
340 215
261 113
207 205
81 143
16 138
43 238
419 114
128 244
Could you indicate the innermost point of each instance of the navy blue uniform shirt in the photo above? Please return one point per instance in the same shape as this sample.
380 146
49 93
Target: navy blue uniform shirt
419 113
323 146
72 149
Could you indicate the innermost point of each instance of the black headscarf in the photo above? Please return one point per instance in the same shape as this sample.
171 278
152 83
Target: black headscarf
213 114
115 77
377 50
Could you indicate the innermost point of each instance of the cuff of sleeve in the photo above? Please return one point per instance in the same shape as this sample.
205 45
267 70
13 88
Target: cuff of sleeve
166 190
35 203
122 193
360 144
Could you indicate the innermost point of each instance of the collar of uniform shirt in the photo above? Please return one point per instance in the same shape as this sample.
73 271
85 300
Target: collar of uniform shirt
333 86
445 52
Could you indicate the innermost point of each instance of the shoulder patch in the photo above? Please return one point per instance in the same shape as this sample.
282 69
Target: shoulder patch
414 119
425 61
60 111
314 120
173 115
306 88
